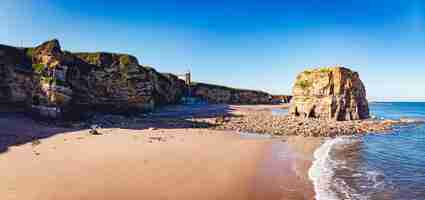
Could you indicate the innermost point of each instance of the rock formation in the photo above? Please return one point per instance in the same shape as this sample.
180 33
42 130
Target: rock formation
221 94
51 67
116 82
167 88
335 93
50 78
15 75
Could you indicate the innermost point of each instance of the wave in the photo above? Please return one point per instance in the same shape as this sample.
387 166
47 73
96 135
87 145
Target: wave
322 172
337 175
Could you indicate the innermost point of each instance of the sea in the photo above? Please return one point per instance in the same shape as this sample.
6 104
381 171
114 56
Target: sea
385 166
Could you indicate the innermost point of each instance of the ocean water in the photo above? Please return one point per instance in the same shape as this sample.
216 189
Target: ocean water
388 166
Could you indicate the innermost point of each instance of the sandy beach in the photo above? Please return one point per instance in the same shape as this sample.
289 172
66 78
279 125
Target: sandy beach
159 164
153 163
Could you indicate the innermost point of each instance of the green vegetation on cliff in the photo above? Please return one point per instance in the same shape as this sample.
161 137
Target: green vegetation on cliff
29 52
106 59
38 68
304 84
51 80
208 85
125 59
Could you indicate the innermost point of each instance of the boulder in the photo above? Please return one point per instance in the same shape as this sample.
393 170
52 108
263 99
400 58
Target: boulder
335 93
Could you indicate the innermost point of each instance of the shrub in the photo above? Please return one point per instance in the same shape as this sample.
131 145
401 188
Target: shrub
304 84
307 72
325 69
125 60
29 52
38 68
60 82
46 79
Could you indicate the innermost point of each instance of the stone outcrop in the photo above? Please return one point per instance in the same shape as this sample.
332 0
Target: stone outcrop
50 67
221 94
334 93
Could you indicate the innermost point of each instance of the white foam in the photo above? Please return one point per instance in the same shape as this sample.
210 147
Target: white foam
321 171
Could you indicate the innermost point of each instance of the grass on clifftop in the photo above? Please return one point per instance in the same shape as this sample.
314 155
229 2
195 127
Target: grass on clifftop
321 69
303 84
105 57
125 59
325 69
209 85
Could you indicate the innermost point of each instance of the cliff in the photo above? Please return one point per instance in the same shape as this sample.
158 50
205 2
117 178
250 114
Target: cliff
48 76
221 94
335 93
15 75
116 82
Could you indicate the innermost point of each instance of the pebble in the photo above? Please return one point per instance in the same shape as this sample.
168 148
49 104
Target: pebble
264 122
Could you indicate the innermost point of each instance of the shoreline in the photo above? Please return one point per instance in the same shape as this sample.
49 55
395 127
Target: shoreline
278 167
263 120
134 164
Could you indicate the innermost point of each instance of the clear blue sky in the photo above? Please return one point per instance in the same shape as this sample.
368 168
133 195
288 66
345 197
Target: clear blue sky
247 44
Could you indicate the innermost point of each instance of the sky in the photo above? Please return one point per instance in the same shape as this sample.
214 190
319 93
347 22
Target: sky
245 44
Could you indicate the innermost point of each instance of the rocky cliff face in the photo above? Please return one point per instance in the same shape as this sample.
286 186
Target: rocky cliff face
220 94
335 93
117 82
16 79
167 88
51 67
48 76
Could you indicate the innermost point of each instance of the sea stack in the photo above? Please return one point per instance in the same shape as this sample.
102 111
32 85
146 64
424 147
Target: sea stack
333 93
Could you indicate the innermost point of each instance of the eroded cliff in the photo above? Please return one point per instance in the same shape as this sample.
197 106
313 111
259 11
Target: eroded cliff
46 75
16 79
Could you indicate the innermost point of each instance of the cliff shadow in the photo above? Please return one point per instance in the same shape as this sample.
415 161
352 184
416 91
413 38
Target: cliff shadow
18 127
169 117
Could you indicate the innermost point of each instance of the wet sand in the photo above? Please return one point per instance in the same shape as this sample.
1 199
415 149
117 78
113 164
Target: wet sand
156 164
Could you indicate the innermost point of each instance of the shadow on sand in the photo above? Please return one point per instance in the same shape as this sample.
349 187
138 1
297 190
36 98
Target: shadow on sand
17 127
